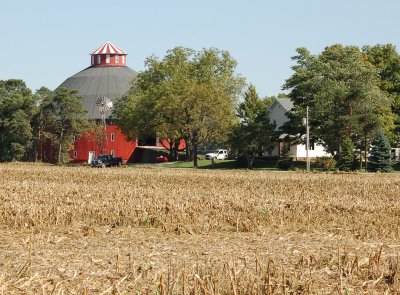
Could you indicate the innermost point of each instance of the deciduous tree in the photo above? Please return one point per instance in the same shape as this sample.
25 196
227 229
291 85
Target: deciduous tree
386 60
341 87
188 95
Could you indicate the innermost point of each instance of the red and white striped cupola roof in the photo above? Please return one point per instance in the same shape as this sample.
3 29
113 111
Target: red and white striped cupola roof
108 55
108 48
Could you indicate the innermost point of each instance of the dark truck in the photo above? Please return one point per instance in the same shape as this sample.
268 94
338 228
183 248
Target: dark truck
106 161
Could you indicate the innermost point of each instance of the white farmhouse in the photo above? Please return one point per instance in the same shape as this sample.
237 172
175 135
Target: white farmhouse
277 113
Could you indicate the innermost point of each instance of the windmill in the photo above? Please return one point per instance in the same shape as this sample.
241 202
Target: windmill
103 104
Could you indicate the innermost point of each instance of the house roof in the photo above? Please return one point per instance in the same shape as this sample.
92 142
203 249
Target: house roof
285 102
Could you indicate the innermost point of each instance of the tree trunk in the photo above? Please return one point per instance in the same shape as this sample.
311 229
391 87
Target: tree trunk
194 145
188 149
171 149
37 147
251 159
176 149
195 163
365 142
365 154
60 147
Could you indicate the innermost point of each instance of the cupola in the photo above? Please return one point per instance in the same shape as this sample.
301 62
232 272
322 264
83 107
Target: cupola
108 55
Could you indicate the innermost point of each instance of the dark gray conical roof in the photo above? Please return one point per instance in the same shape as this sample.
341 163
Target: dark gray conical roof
95 82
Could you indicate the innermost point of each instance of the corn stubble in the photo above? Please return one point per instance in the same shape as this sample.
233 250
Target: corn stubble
76 230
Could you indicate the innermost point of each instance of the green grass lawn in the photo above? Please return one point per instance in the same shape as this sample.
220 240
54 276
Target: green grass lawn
231 164
205 164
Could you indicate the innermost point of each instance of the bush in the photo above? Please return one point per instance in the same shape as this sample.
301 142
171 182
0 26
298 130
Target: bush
286 162
182 157
326 163
241 161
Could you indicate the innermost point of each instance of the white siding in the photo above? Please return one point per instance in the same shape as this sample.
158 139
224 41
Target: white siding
300 151
277 114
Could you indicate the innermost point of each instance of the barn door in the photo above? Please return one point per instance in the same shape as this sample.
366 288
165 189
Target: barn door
91 157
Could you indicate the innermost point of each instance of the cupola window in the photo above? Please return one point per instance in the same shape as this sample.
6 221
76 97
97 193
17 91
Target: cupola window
108 55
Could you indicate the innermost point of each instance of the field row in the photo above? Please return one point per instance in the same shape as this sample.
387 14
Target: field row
179 231
200 201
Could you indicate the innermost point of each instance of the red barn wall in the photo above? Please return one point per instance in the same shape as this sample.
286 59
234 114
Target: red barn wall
119 146
116 143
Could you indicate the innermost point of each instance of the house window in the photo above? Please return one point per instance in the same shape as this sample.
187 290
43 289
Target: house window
92 59
112 153
75 154
112 137
107 59
123 59
117 59
98 59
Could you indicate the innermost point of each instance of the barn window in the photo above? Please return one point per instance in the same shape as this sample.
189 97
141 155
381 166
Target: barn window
98 59
75 154
117 59
112 153
112 137
92 59
107 59
123 59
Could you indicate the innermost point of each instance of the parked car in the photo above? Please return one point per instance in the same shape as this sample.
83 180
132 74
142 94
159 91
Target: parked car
219 154
161 159
106 161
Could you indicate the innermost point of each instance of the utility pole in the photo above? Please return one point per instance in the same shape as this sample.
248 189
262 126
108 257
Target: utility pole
307 142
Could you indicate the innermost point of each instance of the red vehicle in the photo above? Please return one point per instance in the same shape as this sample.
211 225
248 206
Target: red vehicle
161 159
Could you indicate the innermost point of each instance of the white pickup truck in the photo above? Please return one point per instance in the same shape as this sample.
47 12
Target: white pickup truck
218 155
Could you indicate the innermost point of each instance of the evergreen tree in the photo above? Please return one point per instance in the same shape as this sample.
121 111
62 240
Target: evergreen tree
41 121
66 119
17 107
346 159
380 158
254 134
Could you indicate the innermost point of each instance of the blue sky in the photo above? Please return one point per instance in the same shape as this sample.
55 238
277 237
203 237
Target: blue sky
45 42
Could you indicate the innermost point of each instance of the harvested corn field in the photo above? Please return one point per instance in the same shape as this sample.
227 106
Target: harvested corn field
76 230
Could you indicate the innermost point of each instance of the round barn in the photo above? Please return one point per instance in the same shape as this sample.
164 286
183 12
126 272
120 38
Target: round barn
107 78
